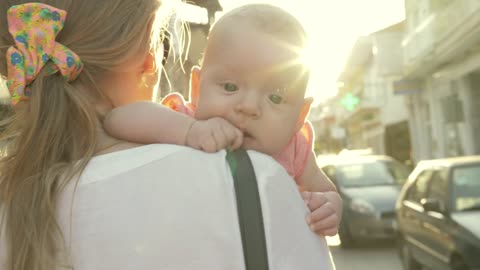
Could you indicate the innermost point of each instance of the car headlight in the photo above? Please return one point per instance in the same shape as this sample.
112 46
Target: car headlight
362 206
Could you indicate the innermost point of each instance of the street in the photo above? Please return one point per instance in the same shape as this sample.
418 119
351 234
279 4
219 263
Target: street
365 257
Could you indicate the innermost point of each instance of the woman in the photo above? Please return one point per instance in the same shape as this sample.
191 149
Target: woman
73 197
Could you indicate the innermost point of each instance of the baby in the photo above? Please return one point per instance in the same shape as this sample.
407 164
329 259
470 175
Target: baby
249 92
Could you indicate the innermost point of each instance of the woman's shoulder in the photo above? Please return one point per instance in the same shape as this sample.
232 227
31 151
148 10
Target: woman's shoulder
151 152
126 159
166 159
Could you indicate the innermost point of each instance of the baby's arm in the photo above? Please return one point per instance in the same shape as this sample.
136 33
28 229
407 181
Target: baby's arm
149 122
322 199
313 179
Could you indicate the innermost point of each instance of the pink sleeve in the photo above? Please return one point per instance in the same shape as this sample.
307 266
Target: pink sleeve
176 102
295 155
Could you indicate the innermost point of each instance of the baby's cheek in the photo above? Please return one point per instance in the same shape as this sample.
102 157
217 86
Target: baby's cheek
274 145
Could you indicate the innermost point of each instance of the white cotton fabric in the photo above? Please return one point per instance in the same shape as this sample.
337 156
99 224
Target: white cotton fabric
171 207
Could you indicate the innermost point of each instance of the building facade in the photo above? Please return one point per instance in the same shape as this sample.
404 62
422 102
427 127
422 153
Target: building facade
441 78
367 107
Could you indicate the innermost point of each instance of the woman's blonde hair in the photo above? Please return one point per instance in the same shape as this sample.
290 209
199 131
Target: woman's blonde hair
50 138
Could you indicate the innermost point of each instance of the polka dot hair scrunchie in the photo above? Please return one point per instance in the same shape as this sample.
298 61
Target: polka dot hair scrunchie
34 27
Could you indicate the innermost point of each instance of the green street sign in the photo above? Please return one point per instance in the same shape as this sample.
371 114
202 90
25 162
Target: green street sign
350 101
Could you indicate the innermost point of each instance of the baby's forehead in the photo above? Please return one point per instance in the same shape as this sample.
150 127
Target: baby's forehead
228 30
249 69
247 44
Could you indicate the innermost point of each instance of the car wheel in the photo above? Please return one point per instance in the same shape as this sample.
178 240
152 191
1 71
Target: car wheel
346 238
458 264
408 262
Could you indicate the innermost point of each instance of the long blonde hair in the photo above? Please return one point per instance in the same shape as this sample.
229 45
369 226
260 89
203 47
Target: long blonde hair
54 133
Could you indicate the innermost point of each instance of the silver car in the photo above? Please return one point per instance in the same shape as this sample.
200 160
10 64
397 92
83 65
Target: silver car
369 186
438 213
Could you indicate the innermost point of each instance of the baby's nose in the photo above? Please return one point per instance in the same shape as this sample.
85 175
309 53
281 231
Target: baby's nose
249 106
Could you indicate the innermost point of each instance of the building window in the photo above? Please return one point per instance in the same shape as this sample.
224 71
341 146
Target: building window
419 189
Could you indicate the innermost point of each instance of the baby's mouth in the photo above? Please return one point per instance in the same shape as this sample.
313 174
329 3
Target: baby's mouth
247 135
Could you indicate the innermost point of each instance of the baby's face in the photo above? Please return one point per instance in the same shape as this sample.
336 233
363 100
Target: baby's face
249 79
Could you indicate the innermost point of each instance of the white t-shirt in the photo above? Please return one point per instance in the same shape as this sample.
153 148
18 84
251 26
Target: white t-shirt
172 207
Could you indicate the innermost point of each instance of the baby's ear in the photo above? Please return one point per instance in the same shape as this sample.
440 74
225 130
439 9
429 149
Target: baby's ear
194 84
307 102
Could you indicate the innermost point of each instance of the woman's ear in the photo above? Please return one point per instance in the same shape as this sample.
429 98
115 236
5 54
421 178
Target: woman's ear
149 66
307 102
194 84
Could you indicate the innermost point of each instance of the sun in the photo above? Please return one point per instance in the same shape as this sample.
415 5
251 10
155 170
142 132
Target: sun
307 56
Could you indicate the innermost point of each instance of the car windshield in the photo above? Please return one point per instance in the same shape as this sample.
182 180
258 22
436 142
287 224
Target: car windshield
466 188
371 173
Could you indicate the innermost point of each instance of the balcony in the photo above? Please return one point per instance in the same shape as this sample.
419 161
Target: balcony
457 28
441 36
419 44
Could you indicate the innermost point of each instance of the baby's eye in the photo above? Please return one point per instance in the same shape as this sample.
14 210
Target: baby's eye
230 87
278 96
276 99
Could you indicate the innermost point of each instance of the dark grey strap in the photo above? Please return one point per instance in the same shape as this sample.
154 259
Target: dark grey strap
249 211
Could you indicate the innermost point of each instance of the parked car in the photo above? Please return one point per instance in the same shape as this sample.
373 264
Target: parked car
438 213
369 186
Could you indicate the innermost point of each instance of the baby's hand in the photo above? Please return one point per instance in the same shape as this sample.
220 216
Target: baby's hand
326 211
213 135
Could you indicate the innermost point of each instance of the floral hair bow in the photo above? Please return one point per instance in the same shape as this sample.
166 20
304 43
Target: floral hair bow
34 27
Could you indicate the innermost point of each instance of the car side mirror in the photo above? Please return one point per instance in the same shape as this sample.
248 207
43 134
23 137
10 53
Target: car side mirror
431 205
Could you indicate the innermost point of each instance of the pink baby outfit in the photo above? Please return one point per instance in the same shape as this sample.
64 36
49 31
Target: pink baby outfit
293 158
